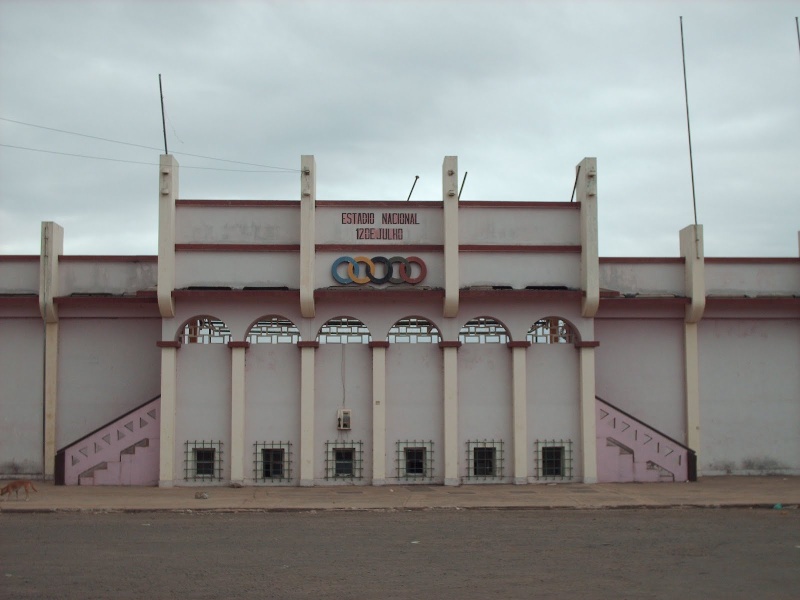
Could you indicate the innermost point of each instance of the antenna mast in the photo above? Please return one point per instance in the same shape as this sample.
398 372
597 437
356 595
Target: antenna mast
163 121
688 126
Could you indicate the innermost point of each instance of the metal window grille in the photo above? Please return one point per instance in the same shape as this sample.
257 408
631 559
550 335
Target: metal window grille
485 459
202 461
483 330
551 330
553 459
414 460
205 330
272 461
344 330
414 330
344 460
274 330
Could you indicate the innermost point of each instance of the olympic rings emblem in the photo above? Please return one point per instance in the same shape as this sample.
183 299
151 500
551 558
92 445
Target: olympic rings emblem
388 266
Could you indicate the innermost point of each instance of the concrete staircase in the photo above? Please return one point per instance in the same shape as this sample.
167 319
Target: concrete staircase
122 452
629 450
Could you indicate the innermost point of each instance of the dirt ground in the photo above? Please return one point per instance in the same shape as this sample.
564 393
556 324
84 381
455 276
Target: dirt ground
689 553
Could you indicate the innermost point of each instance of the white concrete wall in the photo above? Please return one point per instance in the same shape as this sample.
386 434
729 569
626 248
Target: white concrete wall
414 401
343 380
519 270
246 223
21 396
554 400
640 370
203 410
499 223
237 269
272 409
752 278
106 367
485 401
19 275
105 276
749 395
652 277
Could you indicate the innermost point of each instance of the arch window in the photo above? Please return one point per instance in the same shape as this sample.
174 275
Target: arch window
483 330
344 330
551 330
414 330
205 330
273 330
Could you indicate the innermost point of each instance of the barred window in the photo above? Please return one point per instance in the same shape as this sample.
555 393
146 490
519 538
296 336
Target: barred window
483 330
485 459
272 461
414 460
414 330
344 459
344 330
273 330
553 459
551 330
205 330
202 460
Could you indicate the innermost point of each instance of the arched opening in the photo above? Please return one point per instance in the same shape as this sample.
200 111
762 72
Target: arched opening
204 329
273 329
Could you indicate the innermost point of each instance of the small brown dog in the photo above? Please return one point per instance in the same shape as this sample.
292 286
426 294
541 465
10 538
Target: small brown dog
15 486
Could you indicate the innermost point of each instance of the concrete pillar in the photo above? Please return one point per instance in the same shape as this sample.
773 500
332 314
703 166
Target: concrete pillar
238 390
307 395
308 200
691 240
169 401
586 194
520 409
450 199
168 193
588 425
52 247
450 361
378 412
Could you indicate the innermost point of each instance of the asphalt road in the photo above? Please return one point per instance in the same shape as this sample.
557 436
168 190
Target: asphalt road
665 553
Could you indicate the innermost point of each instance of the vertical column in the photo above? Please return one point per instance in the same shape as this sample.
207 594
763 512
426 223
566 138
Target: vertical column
450 199
378 412
237 409
450 350
520 410
308 200
691 239
52 248
168 193
307 395
586 194
588 424
169 393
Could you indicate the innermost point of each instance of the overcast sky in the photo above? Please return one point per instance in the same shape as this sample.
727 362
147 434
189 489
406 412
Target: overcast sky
381 91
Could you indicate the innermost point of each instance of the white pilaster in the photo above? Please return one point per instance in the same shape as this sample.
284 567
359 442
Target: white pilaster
450 199
52 247
520 410
450 360
308 200
379 412
586 194
169 395
307 395
588 421
167 194
691 242
238 351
